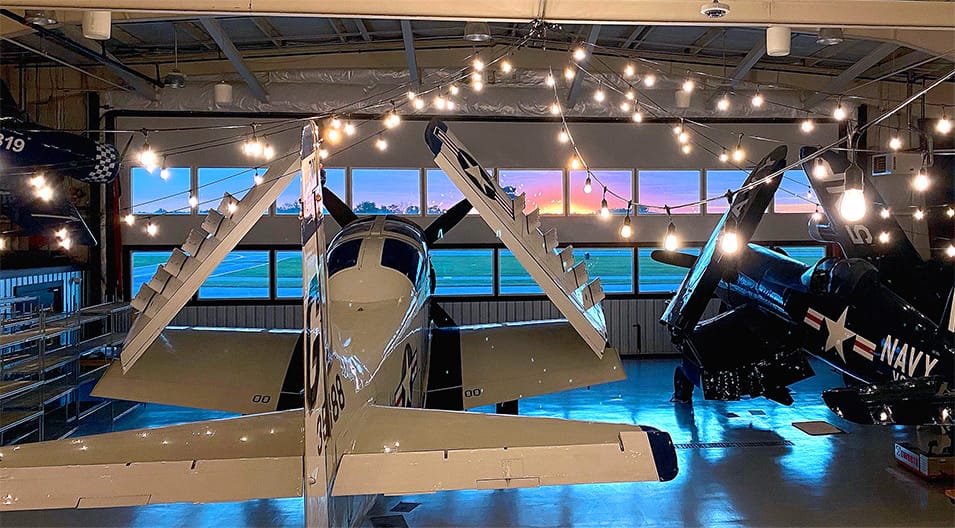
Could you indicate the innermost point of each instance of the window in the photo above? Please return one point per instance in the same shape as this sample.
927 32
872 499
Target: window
795 194
401 257
343 256
656 277
614 266
386 191
240 275
216 181
808 255
463 271
717 183
619 181
442 194
513 279
669 187
287 202
544 189
153 195
288 274
142 267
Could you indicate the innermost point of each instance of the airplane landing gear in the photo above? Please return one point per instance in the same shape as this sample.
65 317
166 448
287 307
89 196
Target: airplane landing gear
682 387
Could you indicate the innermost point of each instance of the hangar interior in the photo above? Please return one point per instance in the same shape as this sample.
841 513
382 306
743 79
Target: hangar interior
650 106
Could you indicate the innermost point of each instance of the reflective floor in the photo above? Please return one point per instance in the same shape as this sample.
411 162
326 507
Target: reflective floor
774 475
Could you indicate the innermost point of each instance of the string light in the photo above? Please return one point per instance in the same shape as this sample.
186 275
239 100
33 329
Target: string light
817 214
686 148
563 137
884 237
840 113
129 219
918 214
37 181
599 95
670 241
950 212
630 95
554 108
637 116
807 126
60 233
322 153
950 251
152 229
629 71
569 73
588 186
454 89
258 179
147 157
757 100
895 142
575 163
738 153
649 80
3 244
66 243
392 119
412 96
232 207
381 144
689 85
45 193
921 181
625 230
579 53
440 102
724 156
820 169
477 64
885 213
944 124
506 66
604 209
729 242
334 136
477 85
853 205
163 171
252 147
549 80
624 106
683 137
193 202
723 104
336 123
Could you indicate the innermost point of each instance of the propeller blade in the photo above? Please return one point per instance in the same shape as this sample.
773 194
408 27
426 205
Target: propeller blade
337 208
447 221
673 258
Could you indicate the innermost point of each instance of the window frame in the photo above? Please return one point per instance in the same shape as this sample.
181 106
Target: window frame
350 186
564 179
569 187
700 194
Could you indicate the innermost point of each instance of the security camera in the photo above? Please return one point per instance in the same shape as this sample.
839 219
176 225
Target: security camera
716 9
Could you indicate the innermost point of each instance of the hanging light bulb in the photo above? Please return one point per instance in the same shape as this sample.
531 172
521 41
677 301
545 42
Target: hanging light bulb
950 251
604 208
477 64
477 86
944 124
334 136
840 112
569 73
723 104
575 163
477 77
918 214
65 243
588 186
625 106
677 128
322 153
884 237
724 156
649 80
349 129
506 66
549 80
440 102
129 219
895 142
147 157
885 213
599 95
579 53
817 214
625 230
950 212
683 137
670 241
392 119
37 181
411 95
921 181
454 89
807 126
629 71
820 169
689 85
60 233
554 108
152 229
268 152
563 137
637 116
45 193
757 100
381 144
686 148
232 207
738 153
163 171
451 104
729 242
630 95
853 206
335 123
193 201
258 179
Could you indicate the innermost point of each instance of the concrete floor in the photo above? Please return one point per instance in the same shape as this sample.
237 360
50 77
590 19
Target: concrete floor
775 475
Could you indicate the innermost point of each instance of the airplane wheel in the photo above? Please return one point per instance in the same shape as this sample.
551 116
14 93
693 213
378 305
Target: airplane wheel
682 387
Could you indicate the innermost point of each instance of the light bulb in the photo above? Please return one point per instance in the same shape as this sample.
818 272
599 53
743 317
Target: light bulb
885 213
723 104
950 212
918 214
920 182
549 80
588 186
477 64
411 95
757 100
599 95
129 219
3 244
625 230
60 233
336 123
839 113
37 181
322 153
454 89
193 201
45 193
950 251
683 137
333 135
451 104
569 73
554 108
739 154
563 137
147 157
255 147
152 229
649 80
884 237
724 156
895 143
232 207
807 126
820 169
852 206
574 163
629 71
817 215
349 129
506 66
392 120
477 86
943 125
66 243
604 209
258 179
624 106
677 129
686 148
440 102
689 85
477 77
630 95
637 116
579 54
670 241
729 242
164 172
268 152
381 144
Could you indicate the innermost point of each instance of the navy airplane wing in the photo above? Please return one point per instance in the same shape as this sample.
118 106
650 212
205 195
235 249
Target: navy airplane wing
746 210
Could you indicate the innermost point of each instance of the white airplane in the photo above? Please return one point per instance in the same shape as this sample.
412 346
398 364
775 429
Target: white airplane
382 367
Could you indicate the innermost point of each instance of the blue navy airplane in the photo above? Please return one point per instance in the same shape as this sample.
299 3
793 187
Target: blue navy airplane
37 163
880 317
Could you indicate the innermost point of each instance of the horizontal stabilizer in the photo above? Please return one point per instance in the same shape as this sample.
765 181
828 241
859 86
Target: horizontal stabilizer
673 258
918 401
235 370
398 451
486 364
251 457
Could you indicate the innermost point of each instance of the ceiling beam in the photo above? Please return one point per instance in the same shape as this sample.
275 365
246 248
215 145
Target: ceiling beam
642 37
339 29
579 78
408 37
704 40
212 26
828 52
268 29
928 14
363 29
196 33
841 82
748 62
910 59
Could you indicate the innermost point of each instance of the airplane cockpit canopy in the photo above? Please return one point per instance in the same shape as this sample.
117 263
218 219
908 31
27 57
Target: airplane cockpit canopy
343 256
